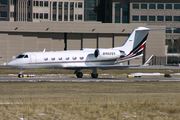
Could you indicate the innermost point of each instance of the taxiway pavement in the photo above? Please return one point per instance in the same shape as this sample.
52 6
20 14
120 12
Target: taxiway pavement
162 79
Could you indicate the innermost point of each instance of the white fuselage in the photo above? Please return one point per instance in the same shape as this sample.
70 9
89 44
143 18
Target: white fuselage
61 59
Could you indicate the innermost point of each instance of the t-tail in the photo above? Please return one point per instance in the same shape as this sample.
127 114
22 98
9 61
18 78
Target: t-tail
136 41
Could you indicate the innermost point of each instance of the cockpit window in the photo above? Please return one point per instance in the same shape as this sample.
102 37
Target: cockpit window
26 56
20 56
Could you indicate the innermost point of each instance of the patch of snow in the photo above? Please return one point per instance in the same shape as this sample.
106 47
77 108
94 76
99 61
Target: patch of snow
147 74
104 74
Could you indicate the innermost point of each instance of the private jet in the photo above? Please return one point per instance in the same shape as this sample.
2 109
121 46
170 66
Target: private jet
103 58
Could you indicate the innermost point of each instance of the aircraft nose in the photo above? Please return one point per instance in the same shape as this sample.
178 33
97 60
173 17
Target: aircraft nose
12 64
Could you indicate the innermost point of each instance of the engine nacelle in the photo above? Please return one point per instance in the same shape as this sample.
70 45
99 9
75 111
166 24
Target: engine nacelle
109 53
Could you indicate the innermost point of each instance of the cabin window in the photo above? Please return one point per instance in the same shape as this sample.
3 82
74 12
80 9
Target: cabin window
60 58
45 59
26 56
74 58
67 58
53 58
81 58
20 56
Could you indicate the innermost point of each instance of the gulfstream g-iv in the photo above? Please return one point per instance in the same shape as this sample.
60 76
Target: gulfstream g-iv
85 58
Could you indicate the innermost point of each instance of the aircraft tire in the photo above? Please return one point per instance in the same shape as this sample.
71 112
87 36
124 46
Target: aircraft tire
20 75
79 75
94 75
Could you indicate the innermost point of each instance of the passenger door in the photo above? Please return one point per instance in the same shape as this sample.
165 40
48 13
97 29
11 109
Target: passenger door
33 60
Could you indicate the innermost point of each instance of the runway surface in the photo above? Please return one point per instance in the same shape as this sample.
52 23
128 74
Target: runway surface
87 79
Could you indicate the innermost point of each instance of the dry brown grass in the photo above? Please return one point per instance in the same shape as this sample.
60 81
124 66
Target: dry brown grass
92 100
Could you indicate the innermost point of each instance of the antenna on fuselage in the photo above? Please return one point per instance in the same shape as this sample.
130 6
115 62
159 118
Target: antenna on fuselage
44 50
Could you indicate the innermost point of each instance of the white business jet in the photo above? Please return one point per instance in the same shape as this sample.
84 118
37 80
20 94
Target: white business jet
86 58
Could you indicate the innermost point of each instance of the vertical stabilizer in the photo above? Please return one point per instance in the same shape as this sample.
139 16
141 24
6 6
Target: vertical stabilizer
136 41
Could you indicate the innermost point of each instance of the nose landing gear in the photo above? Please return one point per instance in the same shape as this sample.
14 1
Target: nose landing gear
20 75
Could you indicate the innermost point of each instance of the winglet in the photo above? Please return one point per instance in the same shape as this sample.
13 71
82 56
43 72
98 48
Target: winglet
148 61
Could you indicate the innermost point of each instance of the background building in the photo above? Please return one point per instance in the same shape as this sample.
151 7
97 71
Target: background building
97 12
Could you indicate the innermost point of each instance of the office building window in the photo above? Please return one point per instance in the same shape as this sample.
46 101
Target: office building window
143 18
79 5
60 5
117 19
176 18
71 6
160 18
135 6
65 18
177 30
71 11
152 6
3 2
60 11
117 12
41 15
135 18
54 17
91 3
41 3
125 18
65 5
71 17
45 3
79 17
151 18
34 3
37 3
54 10
54 5
168 30
176 6
168 18
3 14
45 15
91 15
60 17
160 6
143 6
65 11
34 15
37 15
168 6
29 15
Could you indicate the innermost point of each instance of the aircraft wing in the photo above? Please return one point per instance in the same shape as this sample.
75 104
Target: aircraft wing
102 67
110 66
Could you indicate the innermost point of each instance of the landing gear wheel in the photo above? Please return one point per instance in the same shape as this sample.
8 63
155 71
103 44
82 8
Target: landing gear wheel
79 75
94 75
20 75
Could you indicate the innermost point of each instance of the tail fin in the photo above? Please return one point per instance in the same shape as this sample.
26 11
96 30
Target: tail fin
136 41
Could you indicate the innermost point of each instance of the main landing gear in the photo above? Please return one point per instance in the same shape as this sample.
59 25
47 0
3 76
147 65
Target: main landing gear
79 74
